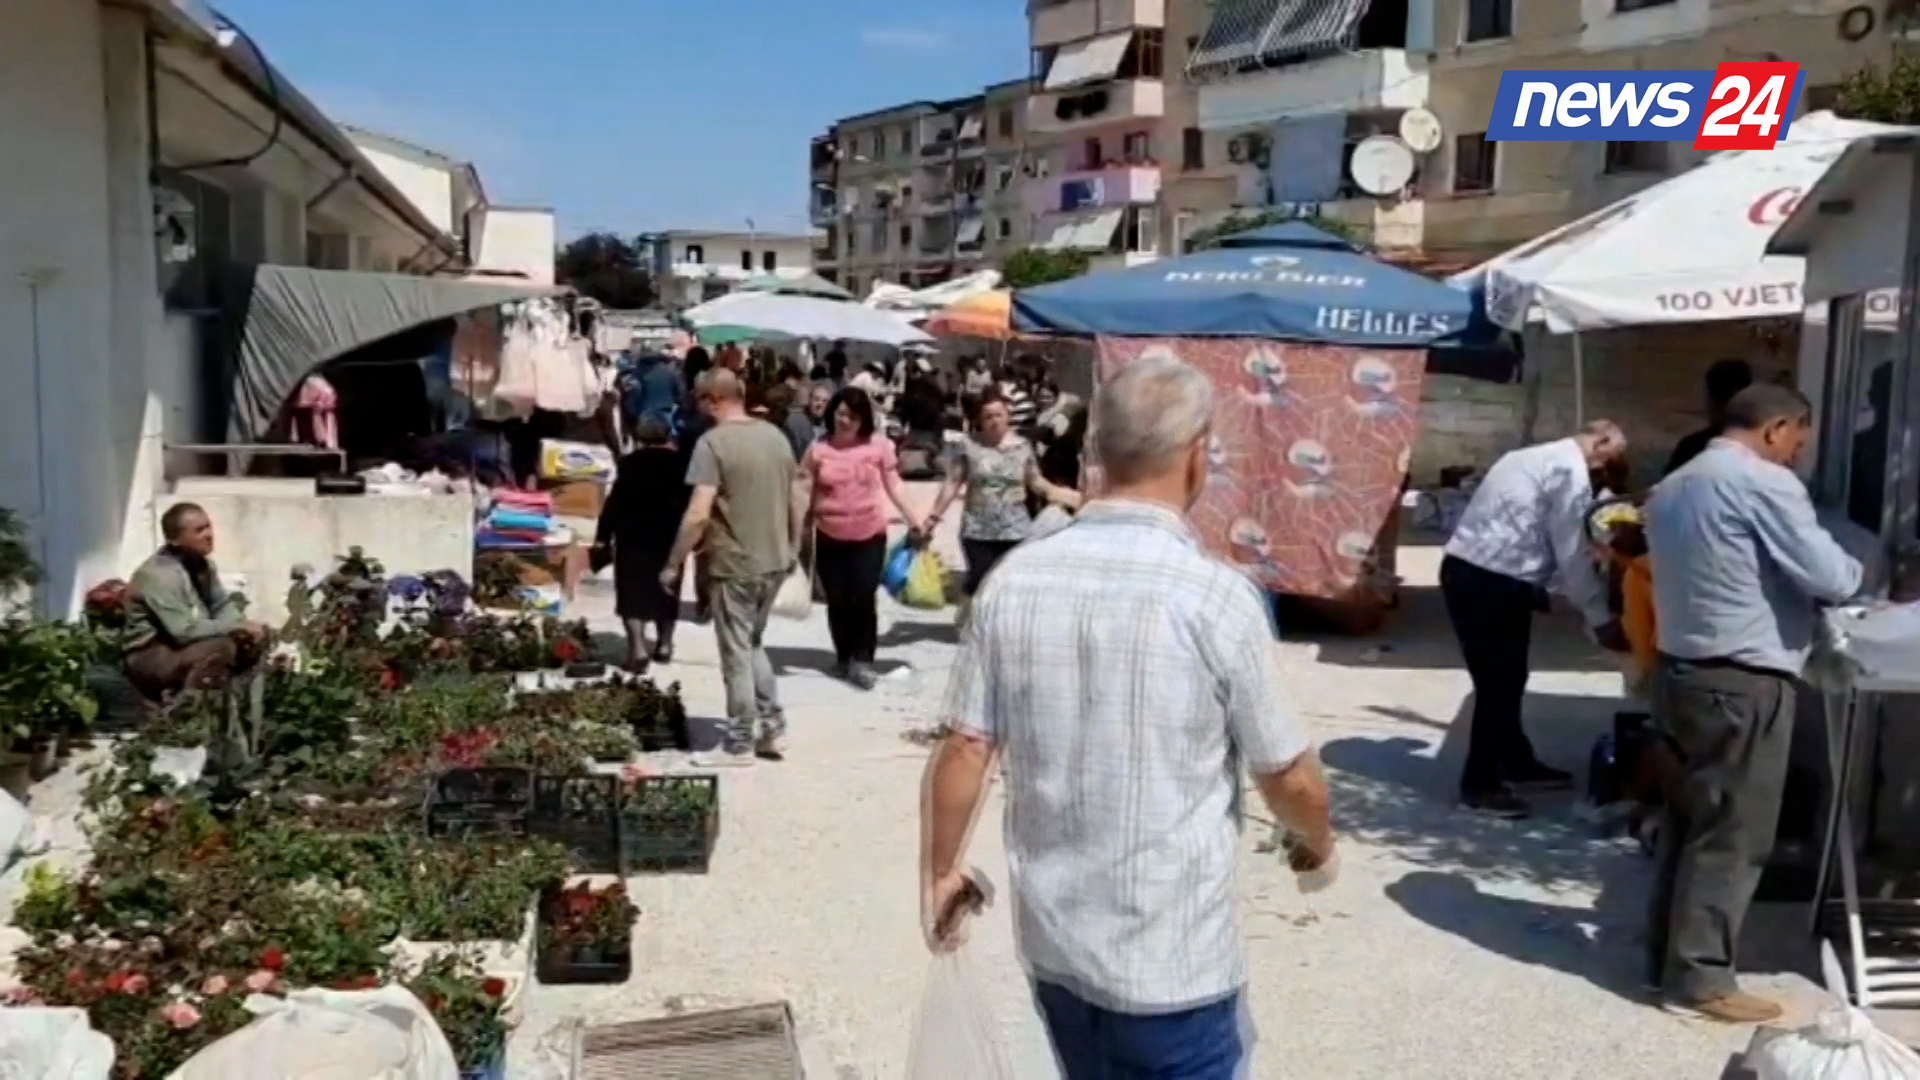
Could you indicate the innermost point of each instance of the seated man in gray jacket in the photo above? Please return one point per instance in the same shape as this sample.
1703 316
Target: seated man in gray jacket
183 629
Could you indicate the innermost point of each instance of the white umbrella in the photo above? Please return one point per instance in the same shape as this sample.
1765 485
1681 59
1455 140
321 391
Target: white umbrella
1688 249
807 317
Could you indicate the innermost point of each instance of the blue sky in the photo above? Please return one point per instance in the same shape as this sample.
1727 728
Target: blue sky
633 115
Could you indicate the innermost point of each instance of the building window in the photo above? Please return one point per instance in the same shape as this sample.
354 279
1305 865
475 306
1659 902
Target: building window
1090 156
1143 58
1004 123
1634 157
1006 228
906 236
906 140
906 193
1138 148
1488 20
1193 149
769 261
696 254
1475 162
1638 5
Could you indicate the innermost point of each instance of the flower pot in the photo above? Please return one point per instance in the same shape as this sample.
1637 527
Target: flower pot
43 757
16 774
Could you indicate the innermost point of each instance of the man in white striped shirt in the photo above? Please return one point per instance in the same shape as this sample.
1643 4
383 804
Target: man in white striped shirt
1127 676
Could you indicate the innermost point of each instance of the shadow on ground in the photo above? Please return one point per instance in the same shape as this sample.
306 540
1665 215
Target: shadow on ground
1398 794
1418 636
788 659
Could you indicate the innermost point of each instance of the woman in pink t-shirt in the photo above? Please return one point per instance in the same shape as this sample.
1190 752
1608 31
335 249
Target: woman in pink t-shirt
854 477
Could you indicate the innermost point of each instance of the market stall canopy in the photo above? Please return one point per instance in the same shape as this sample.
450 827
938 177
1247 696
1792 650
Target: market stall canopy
279 323
1692 248
713 337
934 298
806 317
808 284
1852 225
1290 282
982 315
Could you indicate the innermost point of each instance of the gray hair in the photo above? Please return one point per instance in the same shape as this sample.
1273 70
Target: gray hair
1147 415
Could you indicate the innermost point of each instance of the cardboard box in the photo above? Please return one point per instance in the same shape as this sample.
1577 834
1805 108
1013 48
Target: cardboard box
577 499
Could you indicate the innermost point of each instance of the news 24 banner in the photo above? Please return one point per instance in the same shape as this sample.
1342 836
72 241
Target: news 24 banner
1736 106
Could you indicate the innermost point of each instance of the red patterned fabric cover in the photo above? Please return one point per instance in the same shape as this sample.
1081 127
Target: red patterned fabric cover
1310 446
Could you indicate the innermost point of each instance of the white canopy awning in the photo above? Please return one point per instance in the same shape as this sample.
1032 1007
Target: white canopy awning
1088 61
1087 232
971 230
1692 248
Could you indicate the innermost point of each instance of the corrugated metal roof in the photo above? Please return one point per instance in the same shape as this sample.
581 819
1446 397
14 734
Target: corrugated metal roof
1260 31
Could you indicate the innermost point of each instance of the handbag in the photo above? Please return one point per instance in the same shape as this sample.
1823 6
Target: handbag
795 599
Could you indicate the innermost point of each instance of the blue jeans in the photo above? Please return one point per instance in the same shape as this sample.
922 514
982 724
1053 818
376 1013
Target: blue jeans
1092 1043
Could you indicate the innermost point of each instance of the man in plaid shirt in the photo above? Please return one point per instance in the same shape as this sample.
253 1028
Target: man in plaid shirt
1126 676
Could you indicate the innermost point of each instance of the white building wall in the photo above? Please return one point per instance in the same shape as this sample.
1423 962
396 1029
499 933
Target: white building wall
57 294
428 187
517 240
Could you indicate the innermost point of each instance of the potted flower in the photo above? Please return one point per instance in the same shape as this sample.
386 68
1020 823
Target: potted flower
586 935
468 1004
668 823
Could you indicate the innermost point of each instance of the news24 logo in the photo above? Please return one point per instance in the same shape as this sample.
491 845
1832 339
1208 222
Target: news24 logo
1746 106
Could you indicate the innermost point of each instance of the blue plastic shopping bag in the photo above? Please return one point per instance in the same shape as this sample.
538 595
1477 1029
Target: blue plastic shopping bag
893 576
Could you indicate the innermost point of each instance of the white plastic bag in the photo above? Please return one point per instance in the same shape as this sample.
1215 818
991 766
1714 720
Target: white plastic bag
795 598
1050 521
956 1036
1841 1043
52 1044
383 1034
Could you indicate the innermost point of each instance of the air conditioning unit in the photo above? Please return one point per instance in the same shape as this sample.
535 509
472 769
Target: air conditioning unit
1237 150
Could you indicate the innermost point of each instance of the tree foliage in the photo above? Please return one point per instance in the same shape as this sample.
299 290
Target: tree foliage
1240 222
1890 95
1036 266
607 268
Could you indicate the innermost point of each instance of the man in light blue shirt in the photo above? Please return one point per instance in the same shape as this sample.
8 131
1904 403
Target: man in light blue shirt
1739 563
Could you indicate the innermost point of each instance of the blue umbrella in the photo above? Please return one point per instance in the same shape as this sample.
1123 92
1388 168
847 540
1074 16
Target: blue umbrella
1290 282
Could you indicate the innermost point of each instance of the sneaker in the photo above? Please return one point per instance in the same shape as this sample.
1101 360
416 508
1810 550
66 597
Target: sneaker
1499 803
663 654
1535 776
1738 1007
861 675
770 748
728 755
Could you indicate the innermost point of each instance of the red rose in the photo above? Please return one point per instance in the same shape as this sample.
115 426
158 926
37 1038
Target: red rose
116 982
493 987
565 650
273 959
76 977
389 680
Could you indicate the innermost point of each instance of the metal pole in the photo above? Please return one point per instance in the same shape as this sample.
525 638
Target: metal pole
1579 383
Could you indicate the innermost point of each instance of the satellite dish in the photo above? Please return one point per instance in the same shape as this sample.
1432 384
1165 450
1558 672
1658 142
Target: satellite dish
1420 130
1382 165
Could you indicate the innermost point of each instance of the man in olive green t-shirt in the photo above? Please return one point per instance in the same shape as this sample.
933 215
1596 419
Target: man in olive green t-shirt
745 508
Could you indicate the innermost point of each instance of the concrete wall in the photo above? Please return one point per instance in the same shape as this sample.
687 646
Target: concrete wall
517 240
428 187
1650 381
77 283
265 528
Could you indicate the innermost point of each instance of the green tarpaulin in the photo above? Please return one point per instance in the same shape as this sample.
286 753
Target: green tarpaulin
278 323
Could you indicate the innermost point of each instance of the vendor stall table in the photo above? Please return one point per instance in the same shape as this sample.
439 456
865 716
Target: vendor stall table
1876 980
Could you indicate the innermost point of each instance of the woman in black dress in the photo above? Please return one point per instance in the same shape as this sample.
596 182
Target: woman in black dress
638 523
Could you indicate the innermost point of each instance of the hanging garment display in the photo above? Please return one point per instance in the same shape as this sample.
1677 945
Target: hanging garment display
316 413
518 386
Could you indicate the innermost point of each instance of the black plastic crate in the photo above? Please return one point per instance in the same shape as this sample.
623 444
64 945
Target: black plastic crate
489 801
670 824
605 964
582 814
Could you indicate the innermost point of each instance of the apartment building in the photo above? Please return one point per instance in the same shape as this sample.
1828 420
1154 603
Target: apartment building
1102 117
692 266
922 192
1283 94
